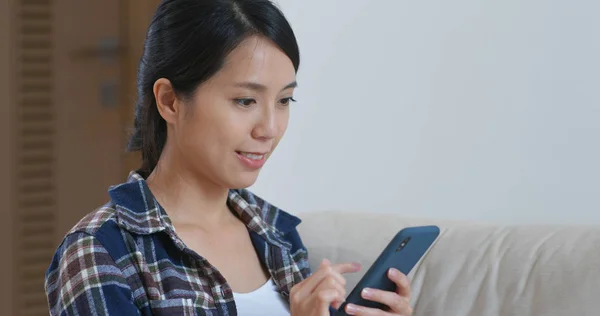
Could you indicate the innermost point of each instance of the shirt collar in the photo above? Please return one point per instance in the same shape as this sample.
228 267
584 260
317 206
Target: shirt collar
140 213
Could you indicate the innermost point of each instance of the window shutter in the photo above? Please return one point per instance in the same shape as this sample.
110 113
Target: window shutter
35 200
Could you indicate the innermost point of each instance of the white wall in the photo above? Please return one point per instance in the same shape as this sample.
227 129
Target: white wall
465 109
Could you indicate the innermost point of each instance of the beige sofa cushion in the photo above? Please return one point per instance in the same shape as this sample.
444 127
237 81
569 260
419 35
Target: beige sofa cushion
474 269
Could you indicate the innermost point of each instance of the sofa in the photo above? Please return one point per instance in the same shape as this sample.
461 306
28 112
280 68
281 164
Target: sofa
473 269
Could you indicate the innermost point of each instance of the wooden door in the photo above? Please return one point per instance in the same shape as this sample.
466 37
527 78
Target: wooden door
69 93
90 136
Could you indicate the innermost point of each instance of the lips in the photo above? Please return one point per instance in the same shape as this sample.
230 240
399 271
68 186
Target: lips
252 160
253 156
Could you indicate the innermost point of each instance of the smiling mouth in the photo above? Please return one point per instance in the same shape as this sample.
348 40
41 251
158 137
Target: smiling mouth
253 156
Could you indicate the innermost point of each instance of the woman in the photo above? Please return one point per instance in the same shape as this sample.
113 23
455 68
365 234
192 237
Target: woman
182 236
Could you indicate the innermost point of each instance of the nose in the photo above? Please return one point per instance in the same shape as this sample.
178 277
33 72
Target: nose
266 127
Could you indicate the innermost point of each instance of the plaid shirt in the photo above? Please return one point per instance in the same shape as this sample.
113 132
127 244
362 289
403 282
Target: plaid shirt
126 259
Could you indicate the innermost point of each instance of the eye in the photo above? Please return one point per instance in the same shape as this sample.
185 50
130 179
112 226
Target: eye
245 102
286 101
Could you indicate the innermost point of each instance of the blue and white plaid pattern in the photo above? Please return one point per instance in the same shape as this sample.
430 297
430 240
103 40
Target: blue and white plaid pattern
125 259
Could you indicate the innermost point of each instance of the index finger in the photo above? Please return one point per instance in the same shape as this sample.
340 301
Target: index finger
348 267
325 269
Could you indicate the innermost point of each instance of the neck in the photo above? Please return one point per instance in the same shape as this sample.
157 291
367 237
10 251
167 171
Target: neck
187 197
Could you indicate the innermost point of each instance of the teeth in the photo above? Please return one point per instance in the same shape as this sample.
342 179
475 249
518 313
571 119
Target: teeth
252 156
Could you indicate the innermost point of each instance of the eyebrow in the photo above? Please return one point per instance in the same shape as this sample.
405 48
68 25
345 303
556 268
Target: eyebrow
260 87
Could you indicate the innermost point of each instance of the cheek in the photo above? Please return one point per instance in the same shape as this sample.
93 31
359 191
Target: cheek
211 122
201 133
282 122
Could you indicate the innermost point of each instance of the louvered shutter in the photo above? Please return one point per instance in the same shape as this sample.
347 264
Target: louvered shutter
35 200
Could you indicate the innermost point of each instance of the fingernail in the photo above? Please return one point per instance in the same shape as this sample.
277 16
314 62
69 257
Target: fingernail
393 272
367 293
351 309
357 265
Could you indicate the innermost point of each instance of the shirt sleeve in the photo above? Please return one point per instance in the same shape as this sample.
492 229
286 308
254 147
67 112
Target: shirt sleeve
83 279
299 252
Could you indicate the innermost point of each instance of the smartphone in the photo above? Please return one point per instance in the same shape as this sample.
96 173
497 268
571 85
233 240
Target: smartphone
403 252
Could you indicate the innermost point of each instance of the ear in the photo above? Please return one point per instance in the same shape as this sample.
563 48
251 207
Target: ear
166 101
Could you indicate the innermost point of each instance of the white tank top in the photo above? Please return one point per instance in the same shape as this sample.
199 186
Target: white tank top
263 301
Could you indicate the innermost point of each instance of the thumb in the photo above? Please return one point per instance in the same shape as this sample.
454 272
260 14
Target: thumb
325 262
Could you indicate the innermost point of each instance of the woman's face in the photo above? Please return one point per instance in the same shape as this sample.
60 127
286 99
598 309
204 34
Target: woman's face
234 121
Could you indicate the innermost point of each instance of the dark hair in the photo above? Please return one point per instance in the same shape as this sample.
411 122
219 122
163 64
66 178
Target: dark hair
187 43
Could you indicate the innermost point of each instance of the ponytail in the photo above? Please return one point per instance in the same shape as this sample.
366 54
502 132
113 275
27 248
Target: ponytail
150 134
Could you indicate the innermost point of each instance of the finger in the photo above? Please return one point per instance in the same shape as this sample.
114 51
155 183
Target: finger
352 309
325 298
396 303
326 269
402 283
304 288
348 267
337 271
331 282
331 271
336 304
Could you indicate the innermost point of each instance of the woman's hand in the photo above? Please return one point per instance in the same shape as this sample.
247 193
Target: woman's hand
398 302
326 287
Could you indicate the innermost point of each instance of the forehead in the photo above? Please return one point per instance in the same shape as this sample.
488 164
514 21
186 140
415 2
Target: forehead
258 60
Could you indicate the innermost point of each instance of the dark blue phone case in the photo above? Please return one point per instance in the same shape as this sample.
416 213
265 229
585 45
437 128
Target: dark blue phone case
403 252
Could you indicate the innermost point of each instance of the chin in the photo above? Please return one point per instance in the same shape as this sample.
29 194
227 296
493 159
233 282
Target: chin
243 180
